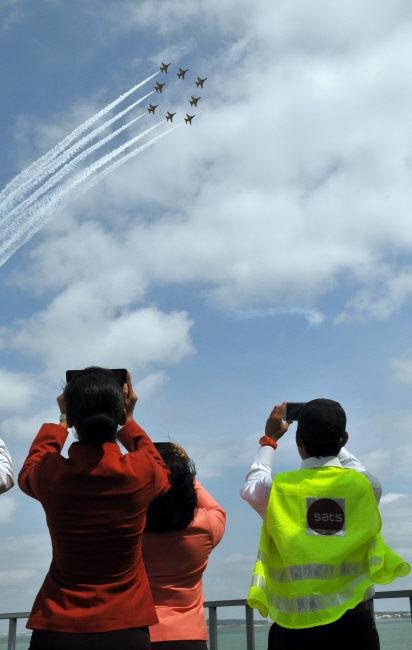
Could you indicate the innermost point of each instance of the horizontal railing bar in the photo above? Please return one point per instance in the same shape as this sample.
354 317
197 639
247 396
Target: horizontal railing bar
239 602
15 615
225 603
404 593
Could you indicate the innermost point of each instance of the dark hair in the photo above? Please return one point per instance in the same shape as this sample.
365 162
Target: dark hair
94 404
176 509
321 427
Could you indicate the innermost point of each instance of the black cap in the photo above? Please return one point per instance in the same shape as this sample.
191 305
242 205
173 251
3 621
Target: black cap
322 421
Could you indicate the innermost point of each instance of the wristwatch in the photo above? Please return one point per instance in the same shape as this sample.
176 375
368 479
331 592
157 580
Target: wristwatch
267 441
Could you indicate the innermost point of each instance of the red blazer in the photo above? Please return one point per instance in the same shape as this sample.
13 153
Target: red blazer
95 503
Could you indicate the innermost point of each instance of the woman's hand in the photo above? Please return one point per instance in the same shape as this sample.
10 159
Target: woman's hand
275 425
62 407
130 398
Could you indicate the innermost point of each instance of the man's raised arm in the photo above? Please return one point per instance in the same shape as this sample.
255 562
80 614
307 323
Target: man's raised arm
6 469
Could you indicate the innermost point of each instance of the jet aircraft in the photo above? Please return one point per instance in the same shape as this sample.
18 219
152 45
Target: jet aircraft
152 108
164 67
189 118
181 73
158 87
194 100
170 116
199 82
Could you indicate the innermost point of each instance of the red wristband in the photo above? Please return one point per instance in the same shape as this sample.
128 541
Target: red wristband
267 441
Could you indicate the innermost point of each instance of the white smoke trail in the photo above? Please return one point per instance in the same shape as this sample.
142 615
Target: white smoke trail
98 177
51 166
60 175
14 228
60 146
41 214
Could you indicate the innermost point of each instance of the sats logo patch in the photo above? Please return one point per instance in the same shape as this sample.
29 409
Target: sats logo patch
325 516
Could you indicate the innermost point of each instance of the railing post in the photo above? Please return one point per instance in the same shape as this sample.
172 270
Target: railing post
11 645
213 628
410 606
250 629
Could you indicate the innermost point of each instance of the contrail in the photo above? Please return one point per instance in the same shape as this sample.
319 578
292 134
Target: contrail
50 166
60 146
124 159
40 218
67 169
13 230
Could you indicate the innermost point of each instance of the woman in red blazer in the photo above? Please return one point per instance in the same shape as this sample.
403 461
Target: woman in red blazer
96 593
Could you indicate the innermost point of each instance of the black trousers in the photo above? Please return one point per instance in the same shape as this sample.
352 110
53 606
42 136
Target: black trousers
137 638
353 631
179 645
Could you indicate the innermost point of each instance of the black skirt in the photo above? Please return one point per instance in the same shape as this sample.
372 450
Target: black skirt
136 638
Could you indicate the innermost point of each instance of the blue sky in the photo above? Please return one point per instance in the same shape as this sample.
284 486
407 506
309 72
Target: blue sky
263 254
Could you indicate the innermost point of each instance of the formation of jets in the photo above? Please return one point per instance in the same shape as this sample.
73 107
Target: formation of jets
164 68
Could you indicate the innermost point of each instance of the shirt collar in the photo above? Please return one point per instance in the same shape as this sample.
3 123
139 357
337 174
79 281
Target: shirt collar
325 461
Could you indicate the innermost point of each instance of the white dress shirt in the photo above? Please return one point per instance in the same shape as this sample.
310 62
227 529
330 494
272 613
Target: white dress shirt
258 481
6 469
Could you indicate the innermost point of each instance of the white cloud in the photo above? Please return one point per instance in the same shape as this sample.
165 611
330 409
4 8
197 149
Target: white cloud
380 462
396 513
402 367
295 178
24 560
7 508
80 329
381 300
151 384
17 391
393 497
11 13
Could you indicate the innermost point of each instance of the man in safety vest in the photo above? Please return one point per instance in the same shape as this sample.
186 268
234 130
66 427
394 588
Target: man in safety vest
320 550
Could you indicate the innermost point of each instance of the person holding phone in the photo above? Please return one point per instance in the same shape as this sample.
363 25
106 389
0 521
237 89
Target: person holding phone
320 550
96 593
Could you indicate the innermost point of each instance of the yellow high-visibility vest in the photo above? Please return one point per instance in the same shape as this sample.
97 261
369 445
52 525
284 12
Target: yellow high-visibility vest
320 548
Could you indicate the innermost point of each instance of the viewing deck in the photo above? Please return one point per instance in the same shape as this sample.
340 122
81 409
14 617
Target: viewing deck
212 606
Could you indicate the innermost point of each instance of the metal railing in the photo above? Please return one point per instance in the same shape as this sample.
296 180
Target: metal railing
212 606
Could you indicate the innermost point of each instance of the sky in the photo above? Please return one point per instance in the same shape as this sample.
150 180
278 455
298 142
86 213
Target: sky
262 254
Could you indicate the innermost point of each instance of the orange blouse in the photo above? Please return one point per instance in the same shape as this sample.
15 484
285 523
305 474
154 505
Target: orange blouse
175 563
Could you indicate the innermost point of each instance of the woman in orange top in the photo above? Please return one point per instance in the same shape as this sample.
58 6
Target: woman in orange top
96 593
182 528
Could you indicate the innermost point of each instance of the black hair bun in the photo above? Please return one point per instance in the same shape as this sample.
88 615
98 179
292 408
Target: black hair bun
99 426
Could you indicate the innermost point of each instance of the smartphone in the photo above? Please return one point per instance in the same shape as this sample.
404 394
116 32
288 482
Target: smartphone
293 410
119 373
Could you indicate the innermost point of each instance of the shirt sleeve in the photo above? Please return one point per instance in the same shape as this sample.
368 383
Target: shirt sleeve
50 440
136 440
349 461
6 469
258 481
215 514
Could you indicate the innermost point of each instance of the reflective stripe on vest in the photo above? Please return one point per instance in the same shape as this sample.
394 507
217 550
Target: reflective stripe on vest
308 603
320 548
316 571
